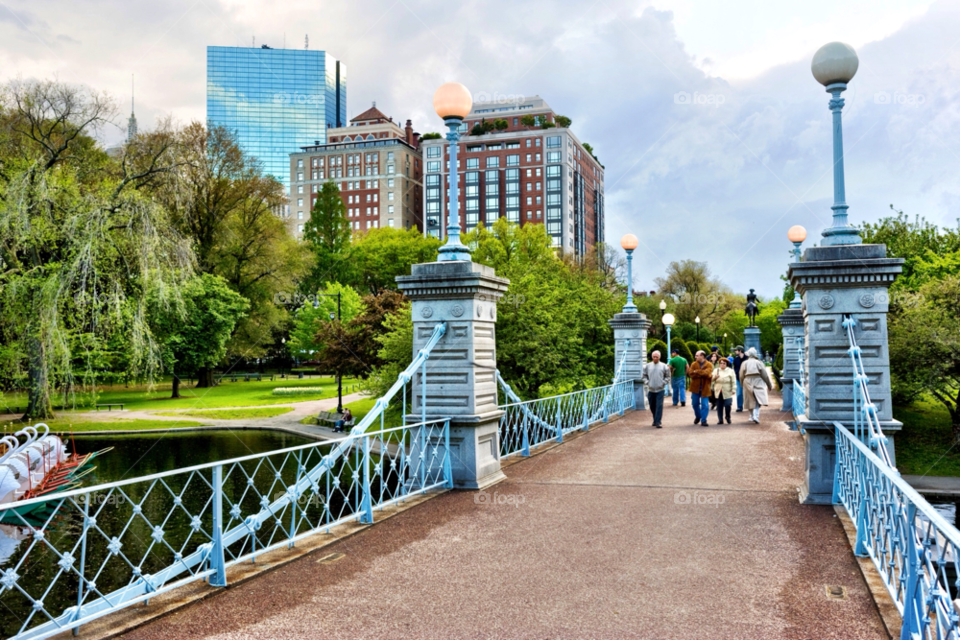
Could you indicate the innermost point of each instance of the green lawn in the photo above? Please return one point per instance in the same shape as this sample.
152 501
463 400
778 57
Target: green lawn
67 426
925 446
227 394
229 414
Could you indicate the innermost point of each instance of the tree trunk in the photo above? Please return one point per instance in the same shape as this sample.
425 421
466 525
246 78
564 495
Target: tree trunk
176 386
205 378
38 406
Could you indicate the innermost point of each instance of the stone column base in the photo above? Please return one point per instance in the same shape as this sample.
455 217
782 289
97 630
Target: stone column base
821 458
751 338
474 450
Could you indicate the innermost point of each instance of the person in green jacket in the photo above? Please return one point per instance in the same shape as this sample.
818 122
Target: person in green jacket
678 380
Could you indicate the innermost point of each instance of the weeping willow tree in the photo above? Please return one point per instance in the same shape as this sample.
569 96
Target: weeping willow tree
81 245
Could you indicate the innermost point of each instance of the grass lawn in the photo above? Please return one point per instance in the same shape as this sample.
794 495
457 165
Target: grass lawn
229 414
227 394
360 409
924 447
67 426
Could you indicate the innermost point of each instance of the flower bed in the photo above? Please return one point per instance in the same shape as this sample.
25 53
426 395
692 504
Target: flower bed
297 391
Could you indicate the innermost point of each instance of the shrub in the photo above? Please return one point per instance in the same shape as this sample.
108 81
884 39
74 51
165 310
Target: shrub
682 348
297 391
692 347
656 345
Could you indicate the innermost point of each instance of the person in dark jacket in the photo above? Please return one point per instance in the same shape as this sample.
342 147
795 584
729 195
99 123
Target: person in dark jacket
701 377
738 359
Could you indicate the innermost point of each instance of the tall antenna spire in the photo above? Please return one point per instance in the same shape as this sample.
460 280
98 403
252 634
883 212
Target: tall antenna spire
132 122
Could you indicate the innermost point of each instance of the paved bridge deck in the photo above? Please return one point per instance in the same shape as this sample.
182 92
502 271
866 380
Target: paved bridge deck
625 532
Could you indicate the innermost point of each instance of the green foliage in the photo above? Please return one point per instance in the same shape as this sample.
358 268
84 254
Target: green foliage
692 347
308 318
353 347
501 125
528 121
378 256
564 123
194 335
433 135
396 352
327 232
682 348
656 345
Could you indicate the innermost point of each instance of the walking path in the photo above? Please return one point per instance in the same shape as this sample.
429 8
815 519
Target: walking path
626 532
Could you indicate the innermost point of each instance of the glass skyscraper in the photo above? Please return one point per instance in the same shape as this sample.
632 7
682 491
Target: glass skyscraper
276 100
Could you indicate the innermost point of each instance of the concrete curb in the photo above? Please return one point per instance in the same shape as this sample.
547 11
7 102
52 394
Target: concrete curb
881 597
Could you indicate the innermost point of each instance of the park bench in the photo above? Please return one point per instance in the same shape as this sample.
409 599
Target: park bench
248 377
329 418
110 406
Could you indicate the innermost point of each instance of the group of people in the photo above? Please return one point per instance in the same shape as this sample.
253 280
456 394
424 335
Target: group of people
715 381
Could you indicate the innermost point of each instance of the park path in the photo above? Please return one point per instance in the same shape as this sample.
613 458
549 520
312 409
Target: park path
626 532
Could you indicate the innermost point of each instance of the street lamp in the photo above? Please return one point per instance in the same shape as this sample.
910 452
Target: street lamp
283 343
668 321
453 102
724 343
697 320
796 235
663 308
834 65
629 243
316 303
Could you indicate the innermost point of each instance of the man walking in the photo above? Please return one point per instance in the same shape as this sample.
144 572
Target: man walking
701 377
678 380
737 361
756 382
656 375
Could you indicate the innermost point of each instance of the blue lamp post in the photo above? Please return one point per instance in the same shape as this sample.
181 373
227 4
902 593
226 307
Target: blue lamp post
668 321
629 243
834 65
796 235
453 102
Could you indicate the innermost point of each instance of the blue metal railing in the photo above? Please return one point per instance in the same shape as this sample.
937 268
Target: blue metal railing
89 552
915 551
527 424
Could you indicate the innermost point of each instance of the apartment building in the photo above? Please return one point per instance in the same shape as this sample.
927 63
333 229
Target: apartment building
523 172
376 164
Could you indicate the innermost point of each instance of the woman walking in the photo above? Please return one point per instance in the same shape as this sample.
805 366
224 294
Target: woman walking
756 382
724 389
714 359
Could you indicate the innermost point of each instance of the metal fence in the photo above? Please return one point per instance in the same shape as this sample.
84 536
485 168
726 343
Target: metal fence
531 423
85 553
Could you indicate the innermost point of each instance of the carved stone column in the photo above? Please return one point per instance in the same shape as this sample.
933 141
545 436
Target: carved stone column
630 337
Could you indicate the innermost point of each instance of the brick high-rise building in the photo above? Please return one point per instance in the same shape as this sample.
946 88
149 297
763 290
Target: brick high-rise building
377 166
524 173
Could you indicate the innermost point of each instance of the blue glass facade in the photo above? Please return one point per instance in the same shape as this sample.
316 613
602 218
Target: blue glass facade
276 100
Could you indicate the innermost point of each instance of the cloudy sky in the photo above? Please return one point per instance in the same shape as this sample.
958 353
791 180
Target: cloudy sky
719 177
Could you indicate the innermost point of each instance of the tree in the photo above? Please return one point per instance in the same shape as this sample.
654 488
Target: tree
318 310
193 335
501 124
696 293
352 348
528 121
378 256
564 123
80 244
925 347
433 135
220 198
327 232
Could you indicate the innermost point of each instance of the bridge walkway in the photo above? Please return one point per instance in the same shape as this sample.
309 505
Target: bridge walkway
625 532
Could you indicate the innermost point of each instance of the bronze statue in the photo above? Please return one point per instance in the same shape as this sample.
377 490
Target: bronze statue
752 308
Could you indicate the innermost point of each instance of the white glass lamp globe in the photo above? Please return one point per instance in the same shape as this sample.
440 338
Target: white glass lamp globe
668 319
452 100
697 319
629 242
797 233
663 305
834 62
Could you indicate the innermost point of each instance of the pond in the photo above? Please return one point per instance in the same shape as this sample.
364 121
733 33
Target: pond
134 456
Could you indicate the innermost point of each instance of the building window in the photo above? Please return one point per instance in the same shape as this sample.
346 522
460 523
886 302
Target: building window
299 228
513 161
300 188
473 163
433 152
390 209
516 121
538 142
538 186
300 164
390 183
390 195
299 175
433 165
390 223
529 200
553 142
299 202
553 156
493 162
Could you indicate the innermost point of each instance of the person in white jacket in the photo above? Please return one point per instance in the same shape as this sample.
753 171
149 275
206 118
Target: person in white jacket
756 383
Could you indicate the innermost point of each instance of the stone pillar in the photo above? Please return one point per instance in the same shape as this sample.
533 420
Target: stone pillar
751 338
791 323
834 281
461 378
632 327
